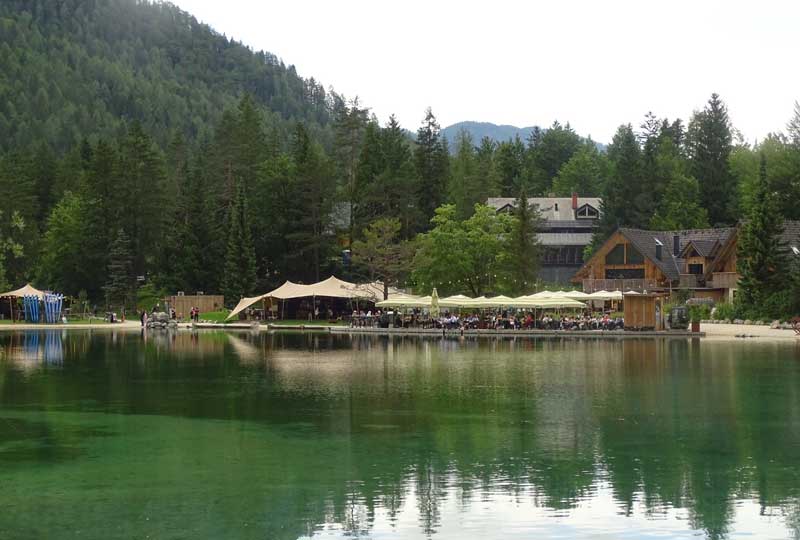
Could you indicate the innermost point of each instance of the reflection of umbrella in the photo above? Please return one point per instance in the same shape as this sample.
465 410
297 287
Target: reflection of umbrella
434 303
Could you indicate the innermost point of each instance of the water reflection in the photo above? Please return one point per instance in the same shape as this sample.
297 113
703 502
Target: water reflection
318 435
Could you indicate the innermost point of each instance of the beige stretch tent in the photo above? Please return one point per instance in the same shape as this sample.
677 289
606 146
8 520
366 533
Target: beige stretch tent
27 290
332 287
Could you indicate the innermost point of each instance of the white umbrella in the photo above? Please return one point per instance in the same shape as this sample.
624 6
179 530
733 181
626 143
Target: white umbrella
434 303
496 301
457 300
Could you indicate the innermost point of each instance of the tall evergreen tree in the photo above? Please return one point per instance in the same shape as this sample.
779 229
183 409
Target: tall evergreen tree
585 173
120 286
509 161
312 235
432 162
623 186
522 254
351 123
240 260
761 255
710 144
464 190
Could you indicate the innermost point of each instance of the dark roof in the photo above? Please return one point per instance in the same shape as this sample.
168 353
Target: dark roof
704 248
670 265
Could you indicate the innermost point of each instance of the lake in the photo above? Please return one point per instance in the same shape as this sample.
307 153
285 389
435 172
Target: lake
211 435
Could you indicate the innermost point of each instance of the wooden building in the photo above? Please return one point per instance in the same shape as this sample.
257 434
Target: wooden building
700 260
566 228
644 312
647 261
183 304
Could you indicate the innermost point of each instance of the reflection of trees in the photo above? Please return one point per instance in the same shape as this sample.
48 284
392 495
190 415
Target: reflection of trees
374 423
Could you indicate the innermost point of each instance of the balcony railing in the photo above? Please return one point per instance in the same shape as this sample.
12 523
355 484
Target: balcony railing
724 280
689 281
638 285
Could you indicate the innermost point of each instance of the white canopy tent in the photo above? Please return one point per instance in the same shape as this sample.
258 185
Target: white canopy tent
332 287
27 290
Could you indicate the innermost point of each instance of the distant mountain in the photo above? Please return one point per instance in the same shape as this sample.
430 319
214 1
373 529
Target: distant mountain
498 133
71 69
479 130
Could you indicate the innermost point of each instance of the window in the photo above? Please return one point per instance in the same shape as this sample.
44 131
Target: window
624 273
634 257
616 255
696 269
587 211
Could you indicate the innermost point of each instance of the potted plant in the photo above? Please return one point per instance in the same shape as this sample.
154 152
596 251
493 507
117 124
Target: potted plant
698 313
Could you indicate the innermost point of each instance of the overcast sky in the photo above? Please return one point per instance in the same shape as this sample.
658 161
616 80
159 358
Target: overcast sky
594 64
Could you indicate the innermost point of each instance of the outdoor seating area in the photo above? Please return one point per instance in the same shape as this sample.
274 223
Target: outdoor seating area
546 310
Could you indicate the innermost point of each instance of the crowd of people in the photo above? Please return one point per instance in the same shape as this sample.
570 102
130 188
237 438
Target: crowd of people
504 320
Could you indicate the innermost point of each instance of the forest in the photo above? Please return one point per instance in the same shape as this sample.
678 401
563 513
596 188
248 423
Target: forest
140 150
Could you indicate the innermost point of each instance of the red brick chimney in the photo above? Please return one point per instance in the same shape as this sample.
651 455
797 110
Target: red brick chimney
574 201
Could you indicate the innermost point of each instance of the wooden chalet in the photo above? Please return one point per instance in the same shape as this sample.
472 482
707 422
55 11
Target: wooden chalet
701 260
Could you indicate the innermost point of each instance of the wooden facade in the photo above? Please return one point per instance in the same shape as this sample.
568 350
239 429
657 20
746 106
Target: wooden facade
205 302
644 312
703 261
633 266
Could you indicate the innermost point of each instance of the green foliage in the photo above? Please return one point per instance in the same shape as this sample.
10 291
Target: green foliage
762 257
79 68
240 262
462 256
709 146
148 296
725 311
382 253
119 288
521 253
585 174
699 312
465 188
432 161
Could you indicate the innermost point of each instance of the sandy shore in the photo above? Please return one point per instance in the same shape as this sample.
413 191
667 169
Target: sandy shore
730 331
127 325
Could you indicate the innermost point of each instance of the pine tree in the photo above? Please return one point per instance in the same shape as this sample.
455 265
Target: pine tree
432 163
464 190
710 145
761 255
120 285
585 173
310 213
240 261
623 186
351 123
522 251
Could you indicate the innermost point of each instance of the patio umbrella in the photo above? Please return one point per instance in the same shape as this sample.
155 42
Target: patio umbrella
496 301
434 303
457 300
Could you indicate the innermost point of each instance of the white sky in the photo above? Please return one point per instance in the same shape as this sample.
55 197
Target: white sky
594 64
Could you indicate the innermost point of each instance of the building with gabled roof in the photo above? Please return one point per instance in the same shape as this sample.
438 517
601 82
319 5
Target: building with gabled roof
702 260
568 224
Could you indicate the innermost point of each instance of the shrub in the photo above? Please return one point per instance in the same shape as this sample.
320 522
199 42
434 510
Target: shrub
724 311
699 312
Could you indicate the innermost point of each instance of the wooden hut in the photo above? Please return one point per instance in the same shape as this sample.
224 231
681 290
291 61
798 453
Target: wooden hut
644 312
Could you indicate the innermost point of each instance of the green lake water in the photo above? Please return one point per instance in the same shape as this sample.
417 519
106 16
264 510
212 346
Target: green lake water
115 435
